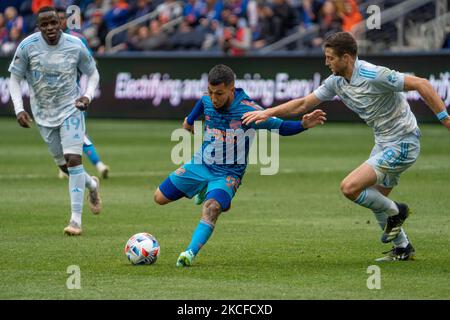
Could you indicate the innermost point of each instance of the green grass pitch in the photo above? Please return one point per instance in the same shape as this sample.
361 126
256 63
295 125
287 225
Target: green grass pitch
288 236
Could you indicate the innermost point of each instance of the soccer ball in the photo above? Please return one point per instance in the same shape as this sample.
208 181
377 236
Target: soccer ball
142 248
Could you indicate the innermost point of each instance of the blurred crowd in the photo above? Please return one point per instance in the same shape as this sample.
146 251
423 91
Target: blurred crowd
231 26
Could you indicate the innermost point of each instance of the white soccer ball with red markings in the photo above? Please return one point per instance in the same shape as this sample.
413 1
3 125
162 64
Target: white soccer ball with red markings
142 248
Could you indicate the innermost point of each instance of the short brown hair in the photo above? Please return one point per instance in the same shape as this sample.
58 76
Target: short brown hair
342 43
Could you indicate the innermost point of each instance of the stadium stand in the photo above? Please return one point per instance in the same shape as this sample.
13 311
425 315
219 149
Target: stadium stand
236 27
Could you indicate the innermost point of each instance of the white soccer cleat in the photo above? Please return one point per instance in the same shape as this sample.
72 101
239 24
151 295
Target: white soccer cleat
95 201
73 229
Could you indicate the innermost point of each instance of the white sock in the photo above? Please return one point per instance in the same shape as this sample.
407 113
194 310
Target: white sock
402 239
371 198
90 183
100 166
76 190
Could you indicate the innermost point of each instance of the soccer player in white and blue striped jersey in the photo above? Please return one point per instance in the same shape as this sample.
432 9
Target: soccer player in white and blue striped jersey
49 60
375 94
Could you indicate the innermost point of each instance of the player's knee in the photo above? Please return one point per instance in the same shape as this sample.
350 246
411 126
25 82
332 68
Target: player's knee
159 198
349 189
211 211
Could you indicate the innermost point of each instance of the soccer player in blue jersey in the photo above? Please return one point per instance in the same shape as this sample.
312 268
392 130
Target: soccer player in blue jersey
49 60
217 168
88 146
375 94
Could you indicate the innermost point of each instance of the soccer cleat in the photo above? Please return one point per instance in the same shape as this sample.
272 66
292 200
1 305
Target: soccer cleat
394 223
95 201
73 229
200 197
185 259
103 170
399 254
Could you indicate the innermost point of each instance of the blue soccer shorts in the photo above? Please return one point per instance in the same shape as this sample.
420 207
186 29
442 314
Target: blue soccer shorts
190 179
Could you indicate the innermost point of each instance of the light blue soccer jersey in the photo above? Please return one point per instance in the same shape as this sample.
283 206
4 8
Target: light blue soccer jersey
226 140
375 94
51 73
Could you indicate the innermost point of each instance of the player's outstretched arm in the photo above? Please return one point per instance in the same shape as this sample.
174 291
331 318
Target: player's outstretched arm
310 120
430 96
289 109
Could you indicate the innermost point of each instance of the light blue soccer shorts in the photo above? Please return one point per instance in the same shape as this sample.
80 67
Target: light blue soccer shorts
66 139
192 178
391 159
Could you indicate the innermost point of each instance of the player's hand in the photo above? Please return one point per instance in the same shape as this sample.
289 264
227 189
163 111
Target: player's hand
24 119
254 116
446 123
82 103
187 126
310 120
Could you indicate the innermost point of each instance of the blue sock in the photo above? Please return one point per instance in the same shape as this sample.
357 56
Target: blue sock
91 153
200 236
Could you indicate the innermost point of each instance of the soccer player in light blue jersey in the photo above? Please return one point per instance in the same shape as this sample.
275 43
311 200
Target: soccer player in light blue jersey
219 166
49 60
375 94
88 146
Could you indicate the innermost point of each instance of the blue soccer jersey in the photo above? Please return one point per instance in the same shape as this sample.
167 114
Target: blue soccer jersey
226 141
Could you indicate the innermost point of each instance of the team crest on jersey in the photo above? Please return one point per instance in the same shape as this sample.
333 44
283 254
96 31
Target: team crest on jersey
235 124
207 118
392 78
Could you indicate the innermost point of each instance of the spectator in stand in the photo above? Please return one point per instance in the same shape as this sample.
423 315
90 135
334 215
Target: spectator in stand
329 23
350 15
3 30
117 15
10 45
263 34
169 10
285 18
95 31
13 20
237 37
185 38
37 4
141 8
237 7
308 13
156 38
209 9
96 6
